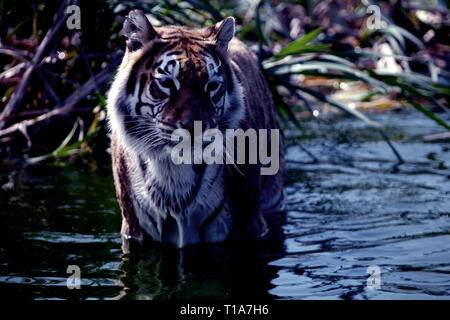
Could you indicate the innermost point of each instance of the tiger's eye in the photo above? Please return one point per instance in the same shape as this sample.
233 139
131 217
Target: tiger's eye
167 83
212 86
156 92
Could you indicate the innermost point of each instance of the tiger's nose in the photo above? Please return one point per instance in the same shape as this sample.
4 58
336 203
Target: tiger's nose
184 121
169 121
175 123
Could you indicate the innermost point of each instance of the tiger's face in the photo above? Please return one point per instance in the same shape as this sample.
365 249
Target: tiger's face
176 75
179 87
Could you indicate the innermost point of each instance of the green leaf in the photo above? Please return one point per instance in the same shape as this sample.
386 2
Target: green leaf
428 113
101 100
299 45
308 49
65 150
442 89
67 139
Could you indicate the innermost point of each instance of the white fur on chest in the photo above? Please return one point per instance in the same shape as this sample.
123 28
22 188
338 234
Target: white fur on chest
177 182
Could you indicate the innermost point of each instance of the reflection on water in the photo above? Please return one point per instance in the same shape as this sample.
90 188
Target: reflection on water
238 270
353 209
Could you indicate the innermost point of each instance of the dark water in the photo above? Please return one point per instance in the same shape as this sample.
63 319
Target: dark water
353 209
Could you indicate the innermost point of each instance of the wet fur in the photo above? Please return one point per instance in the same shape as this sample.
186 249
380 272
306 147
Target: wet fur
188 204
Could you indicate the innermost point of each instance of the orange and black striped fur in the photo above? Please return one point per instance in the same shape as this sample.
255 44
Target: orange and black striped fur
170 77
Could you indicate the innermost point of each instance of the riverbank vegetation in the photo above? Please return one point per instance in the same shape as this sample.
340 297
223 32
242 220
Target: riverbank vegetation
322 58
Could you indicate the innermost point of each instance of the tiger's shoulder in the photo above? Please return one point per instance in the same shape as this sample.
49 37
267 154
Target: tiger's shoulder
246 66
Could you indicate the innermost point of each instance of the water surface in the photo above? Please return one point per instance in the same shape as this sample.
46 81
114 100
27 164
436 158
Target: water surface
352 209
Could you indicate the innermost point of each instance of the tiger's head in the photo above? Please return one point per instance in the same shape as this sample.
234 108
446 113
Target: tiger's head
170 77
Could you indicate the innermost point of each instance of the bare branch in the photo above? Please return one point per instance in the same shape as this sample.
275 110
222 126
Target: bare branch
49 88
15 53
19 93
68 104
13 72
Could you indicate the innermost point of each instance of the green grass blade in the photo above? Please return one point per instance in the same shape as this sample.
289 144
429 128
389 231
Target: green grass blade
67 139
429 114
298 45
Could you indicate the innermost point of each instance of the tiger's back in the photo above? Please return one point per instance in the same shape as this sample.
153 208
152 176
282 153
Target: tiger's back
171 77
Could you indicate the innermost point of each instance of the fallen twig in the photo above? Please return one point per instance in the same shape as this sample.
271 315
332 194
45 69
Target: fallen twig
16 53
68 104
443 136
29 113
49 88
13 72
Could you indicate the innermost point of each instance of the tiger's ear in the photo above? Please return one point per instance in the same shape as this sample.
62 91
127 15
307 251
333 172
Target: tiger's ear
138 30
223 32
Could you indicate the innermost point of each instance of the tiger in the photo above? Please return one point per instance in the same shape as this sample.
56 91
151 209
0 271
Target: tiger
170 77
